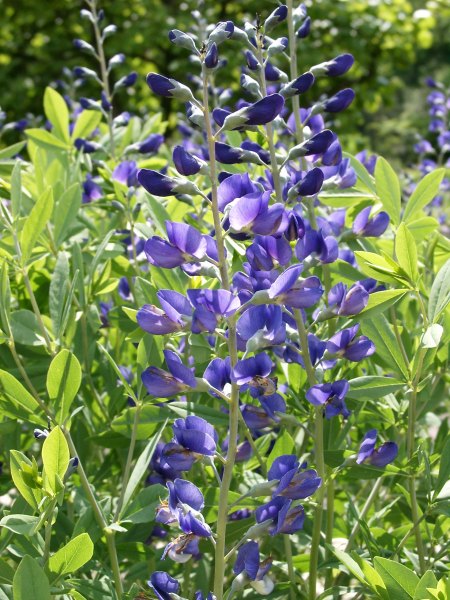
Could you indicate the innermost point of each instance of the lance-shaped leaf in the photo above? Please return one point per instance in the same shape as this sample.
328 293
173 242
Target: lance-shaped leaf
63 382
55 457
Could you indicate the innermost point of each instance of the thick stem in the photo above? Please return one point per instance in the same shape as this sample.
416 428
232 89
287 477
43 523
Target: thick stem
219 566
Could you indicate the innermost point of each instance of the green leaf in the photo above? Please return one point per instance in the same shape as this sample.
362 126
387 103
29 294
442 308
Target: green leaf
362 173
21 524
373 387
379 331
444 468
426 190
283 445
406 252
66 211
142 509
400 581
388 189
57 113
432 336
11 151
378 267
63 382
428 580
351 565
58 291
157 212
85 124
55 458
25 328
141 466
30 581
14 391
16 189
423 227
35 224
18 463
380 301
45 139
72 556
440 293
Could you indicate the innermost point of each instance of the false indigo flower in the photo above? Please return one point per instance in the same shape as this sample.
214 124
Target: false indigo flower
229 155
347 303
86 146
234 187
250 370
252 61
151 144
165 384
218 373
247 560
317 144
261 112
293 481
346 344
212 57
308 186
335 67
276 17
314 242
91 190
262 326
163 585
285 517
126 81
304 29
170 88
224 30
366 227
288 289
380 457
268 251
339 101
193 437
177 313
253 213
185 503
186 244
179 38
185 163
264 155
332 396
126 172
182 549
299 86
160 185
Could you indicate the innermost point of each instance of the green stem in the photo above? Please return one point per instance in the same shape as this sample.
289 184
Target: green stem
319 456
269 126
356 527
37 312
290 565
222 516
103 72
412 415
330 527
127 470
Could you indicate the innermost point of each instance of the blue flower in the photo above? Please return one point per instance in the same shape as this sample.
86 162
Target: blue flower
379 457
165 384
163 585
331 396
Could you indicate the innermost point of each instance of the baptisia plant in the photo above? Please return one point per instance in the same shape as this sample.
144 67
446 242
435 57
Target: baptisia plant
255 311
256 247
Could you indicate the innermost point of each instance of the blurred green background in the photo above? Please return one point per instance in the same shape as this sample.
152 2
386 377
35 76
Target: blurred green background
396 44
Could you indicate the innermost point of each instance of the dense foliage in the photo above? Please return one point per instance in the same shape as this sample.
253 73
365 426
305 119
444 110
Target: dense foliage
223 353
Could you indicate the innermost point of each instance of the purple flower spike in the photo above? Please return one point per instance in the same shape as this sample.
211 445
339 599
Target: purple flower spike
253 213
185 163
262 326
339 101
186 244
163 585
220 302
268 251
165 384
346 344
366 227
196 434
380 457
310 184
247 560
331 395
177 313
218 373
